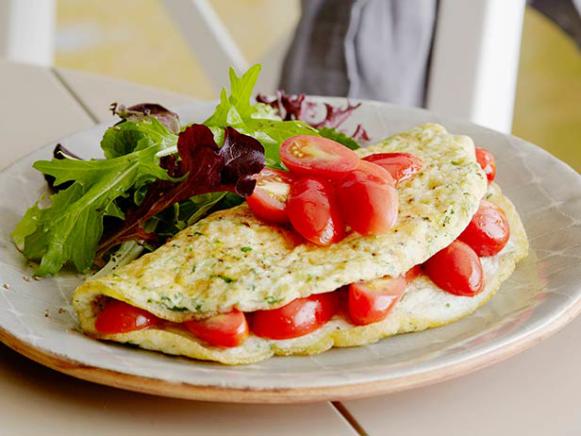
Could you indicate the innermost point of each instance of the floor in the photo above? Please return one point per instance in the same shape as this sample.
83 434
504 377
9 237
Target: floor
119 42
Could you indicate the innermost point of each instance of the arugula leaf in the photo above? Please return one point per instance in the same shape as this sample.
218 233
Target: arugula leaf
256 120
190 211
230 200
26 226
32 235
202 204
241 89
127 252
234 108
340 137
206 167
60 152
153 178
129 136
69 230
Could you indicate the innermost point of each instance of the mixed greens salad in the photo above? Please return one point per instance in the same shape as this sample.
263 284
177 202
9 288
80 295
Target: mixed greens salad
158 176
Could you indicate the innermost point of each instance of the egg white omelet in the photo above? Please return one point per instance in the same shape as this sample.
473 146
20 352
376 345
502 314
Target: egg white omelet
233 260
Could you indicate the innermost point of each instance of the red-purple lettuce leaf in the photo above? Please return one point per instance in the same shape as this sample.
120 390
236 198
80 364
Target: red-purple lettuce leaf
317 115
360 134
140 111
205 168
288 107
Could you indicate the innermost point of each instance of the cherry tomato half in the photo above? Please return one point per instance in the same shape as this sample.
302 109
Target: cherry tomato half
120 317
456 269
401 166
488 231
316 156
224 330
487 162
368 199
413 273
268 201
313 211
297 318
372 301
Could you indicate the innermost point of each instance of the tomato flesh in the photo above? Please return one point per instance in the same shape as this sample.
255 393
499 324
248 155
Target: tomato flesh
297 318
372 301
268 201
223 330
313 155
368 199
457 270
488 231
313 211
413 273
487 162
401 166
120 317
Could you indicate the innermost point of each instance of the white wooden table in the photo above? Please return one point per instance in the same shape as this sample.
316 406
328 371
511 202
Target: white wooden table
536 393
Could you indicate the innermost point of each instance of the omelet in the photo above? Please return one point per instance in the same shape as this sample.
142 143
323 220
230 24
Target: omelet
232 260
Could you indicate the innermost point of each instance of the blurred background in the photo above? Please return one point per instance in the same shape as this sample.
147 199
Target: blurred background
137 41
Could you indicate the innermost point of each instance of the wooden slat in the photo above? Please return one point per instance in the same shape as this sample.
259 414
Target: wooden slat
37 400
35 109
208 38
97 93
532 393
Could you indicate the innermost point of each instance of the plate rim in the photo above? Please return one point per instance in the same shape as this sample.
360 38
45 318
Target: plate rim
348 390
250 395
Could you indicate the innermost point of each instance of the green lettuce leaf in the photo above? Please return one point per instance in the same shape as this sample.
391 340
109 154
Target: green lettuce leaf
69 230
128 136
340 137
257 120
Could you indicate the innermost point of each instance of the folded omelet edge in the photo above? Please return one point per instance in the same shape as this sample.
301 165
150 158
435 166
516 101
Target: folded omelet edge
423 306
173 290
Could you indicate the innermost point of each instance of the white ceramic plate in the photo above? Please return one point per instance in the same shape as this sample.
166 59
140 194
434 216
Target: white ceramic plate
542 295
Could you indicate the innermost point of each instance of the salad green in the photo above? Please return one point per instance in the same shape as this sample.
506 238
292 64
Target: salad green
94 200
257 120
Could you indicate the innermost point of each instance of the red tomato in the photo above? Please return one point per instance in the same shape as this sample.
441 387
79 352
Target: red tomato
401 166
368 199
313 155
120 317
313 211
268 201
413 273
456 269
297 318
372 301
224 330
488 232
487 162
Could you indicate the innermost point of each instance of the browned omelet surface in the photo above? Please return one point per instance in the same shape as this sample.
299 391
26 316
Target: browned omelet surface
231 259
422 306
